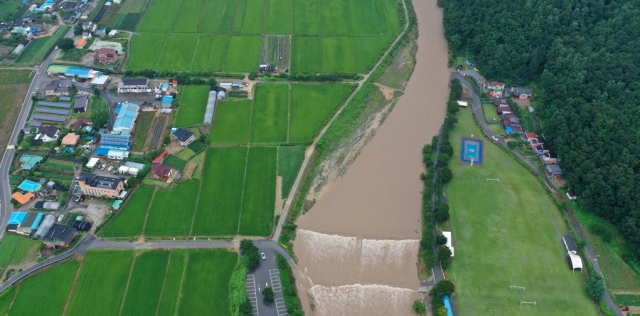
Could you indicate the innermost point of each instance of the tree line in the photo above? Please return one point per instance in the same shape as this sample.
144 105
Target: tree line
582 56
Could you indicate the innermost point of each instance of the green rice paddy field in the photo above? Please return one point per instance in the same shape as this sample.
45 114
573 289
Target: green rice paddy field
507 233
226 35
193 102
187 282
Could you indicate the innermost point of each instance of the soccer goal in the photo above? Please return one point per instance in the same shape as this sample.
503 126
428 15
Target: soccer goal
528 302
495 180
516 287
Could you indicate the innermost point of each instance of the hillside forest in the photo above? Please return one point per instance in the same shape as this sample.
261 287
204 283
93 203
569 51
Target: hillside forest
584 59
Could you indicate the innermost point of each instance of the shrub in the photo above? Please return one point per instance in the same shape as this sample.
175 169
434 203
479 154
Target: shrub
419 308
595 286
441 240
268 294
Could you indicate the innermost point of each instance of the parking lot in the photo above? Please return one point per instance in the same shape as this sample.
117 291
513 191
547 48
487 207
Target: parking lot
253 295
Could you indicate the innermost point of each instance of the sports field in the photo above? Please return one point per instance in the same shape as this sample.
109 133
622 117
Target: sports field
507 232
226 35
128 283
279 114
193 102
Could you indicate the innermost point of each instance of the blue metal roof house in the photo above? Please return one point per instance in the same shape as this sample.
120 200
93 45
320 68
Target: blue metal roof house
127 114
78 72
116 141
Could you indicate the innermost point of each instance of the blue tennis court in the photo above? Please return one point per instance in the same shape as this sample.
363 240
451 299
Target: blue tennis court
471 150
28 185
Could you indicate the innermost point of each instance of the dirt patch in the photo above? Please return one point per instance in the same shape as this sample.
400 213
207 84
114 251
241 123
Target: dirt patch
189 169
173 147
95 213
388 93
4 49
522 102
279 199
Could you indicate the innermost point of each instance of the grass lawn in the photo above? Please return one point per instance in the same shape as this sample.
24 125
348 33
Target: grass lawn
258 200
311 108
279 17
173 282
102 282
193 102
7 248
243 54
178 51
175 162
231 124
130 220
146 49
507 233
13 89
171 212
49 289
270 114
185 154
206 283
289 162
143 126
218 209
490 113
26 250
145 285
306 54
199 160
39 48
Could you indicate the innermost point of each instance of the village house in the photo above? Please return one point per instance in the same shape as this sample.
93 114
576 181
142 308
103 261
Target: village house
160 172
105 56
184 136
59 236
549 158
494 88
134 85
54 89
95 185
80 104
521 93
554 171
47 134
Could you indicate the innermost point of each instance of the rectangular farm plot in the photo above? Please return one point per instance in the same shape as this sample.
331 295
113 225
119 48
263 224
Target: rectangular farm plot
146 49
339 55
388 16
279 17
130 220
369 49
102 282
145 285
335 18
363 17
210 53
232 122
312 106
159 16
49 290
171 212
212 15
258 200
290 160
228 17
243 54
173 280
193 102
206 283
188 16
306 54
306 17
178 52
270 114
253 17
221 193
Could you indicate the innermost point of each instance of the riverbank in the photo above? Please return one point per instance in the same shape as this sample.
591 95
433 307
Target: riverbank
366 221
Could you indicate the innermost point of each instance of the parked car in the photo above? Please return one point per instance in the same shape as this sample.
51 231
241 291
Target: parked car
264 257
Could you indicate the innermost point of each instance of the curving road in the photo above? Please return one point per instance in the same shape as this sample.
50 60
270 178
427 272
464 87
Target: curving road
477 109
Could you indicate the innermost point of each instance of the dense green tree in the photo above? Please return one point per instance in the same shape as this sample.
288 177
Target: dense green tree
100 116
65 44
419 307
441 240
268 294
595 286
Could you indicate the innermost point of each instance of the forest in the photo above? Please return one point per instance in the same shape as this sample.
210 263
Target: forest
584 59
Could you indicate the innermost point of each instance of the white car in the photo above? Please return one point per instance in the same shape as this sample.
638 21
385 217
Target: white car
264 257
495 138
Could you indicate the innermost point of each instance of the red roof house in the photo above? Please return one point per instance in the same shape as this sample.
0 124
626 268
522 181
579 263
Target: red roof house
160 157
160 172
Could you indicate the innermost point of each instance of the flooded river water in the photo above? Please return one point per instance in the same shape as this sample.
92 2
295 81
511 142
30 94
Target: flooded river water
357 247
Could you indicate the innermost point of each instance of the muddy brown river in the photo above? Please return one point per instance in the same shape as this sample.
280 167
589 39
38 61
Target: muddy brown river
357 247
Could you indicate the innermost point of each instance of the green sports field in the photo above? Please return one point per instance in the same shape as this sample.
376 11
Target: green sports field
128 283
193 102
507 233
342 36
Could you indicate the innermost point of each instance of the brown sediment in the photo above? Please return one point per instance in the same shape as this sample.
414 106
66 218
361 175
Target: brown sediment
357 247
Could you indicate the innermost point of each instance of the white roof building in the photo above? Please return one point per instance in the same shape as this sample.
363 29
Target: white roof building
449 243
92 162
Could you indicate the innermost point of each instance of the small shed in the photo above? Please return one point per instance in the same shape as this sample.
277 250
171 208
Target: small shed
554 170
449 243
463 103
92 163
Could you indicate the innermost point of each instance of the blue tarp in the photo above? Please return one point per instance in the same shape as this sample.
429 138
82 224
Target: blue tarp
167 99
101 151
68 150
509 129
30 186
447 304
16 218
37 221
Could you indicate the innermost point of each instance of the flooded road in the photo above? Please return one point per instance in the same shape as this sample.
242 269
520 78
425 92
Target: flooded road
357 247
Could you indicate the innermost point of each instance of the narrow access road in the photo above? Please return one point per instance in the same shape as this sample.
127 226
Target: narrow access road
477 109
80 247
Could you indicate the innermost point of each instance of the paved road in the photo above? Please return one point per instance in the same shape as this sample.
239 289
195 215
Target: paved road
82 246
477 109
309 153
266 274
